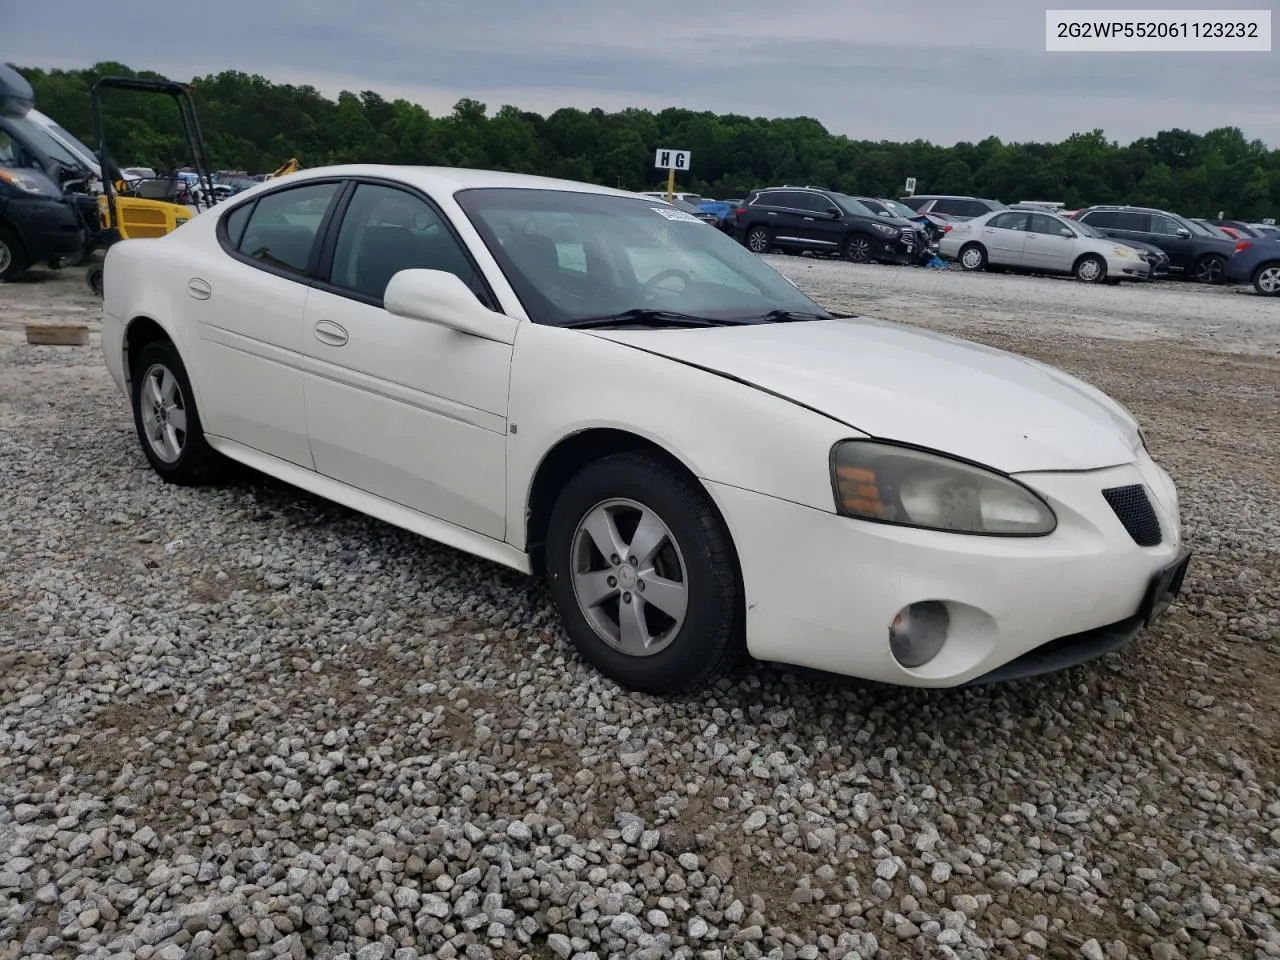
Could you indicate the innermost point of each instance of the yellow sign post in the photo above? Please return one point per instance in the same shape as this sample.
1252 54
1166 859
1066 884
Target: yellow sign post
671 161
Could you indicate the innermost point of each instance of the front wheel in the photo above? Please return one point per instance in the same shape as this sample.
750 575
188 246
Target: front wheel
643 573
1266 279
13 257
166 418
1091 269
758 240
1209 269
857 249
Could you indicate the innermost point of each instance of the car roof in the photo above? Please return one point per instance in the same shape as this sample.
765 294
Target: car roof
451 179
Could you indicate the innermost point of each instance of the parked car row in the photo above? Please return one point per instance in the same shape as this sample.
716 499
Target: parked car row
1103 243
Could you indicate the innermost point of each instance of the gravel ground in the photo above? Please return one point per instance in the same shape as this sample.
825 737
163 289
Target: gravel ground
244 722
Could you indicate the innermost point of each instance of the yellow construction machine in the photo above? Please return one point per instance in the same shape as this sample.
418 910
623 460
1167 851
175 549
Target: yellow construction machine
145 209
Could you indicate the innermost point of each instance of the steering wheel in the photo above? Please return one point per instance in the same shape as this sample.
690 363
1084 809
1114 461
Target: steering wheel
657 278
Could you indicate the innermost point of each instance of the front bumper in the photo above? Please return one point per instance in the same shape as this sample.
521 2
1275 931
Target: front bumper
1123 268
822 590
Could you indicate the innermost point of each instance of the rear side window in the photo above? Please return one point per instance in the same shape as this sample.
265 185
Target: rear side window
1102 219
282 228
958 208
234 223
1009 221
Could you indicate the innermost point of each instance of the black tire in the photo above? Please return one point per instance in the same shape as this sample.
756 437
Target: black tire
94 278
857 248
196 462
13 256
1266 279
759 240
709 639
976 258
1090 268
1209 269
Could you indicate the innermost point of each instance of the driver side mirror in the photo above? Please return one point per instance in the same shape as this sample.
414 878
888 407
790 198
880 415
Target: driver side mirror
439 297
1066 232
1184 233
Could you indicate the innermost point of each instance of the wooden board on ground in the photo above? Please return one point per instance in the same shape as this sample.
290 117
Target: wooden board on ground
58 334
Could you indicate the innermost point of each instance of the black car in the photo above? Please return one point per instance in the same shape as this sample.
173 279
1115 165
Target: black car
798 219
1194 252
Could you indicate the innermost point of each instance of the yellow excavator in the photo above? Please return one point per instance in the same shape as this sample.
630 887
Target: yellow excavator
283 171
144 209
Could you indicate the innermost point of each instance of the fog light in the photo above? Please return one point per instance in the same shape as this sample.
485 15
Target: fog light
918 633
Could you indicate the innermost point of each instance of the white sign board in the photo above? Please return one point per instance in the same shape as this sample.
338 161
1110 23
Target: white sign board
911 185
665 158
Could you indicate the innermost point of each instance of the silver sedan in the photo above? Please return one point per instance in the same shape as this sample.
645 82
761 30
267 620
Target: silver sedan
1042 243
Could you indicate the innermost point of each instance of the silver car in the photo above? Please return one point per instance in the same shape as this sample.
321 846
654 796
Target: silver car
1041 242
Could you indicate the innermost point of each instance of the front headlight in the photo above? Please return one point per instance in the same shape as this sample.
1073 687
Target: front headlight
30 181
1126 253
889 483
886 229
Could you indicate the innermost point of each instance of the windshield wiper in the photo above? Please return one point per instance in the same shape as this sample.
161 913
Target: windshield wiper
790 316
649 317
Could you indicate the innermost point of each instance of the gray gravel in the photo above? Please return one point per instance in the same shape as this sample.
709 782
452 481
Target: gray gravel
243 722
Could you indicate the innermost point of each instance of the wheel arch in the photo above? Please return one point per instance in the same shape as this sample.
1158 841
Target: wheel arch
575 451
145 328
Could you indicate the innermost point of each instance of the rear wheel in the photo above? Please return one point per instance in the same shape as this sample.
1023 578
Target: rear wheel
642 570
13 256
166 418
758 240
973 256
1266 279
1091 268
1209 269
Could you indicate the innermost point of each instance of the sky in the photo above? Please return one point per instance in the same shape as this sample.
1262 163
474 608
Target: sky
942 71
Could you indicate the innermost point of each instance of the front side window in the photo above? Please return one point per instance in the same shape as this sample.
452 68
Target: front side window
283 226
1048 226
1164 226
386 230
574 255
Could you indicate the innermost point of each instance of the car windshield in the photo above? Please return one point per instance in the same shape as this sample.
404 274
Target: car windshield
1087 230
43 141
1194 227
572 256
851 205
899 209
1214 230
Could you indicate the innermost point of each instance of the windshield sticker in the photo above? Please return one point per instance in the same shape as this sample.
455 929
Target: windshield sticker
671 213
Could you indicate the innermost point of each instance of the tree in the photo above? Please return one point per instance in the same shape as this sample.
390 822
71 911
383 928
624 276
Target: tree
254 124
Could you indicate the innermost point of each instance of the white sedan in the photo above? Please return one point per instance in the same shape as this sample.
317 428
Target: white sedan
589 385
1042 242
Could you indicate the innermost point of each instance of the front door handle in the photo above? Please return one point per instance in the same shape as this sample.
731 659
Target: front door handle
199 288
330 334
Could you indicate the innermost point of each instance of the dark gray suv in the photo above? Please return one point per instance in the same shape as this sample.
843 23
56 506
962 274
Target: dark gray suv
1194 252
961 208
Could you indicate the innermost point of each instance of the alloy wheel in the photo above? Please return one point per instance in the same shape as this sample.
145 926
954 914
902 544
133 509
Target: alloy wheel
164 413
1269 280
629 577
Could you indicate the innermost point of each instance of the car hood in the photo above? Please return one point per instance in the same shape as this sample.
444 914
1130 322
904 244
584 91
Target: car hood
901 383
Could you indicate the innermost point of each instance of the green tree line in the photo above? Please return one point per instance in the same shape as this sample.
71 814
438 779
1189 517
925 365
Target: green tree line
253 124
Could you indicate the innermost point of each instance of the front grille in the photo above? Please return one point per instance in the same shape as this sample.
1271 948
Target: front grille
1132 505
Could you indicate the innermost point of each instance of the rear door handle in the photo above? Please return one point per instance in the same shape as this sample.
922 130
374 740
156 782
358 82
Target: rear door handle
199 289
330 334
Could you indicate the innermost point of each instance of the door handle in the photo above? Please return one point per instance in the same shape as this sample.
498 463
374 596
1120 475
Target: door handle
330 334
810 219
199 289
